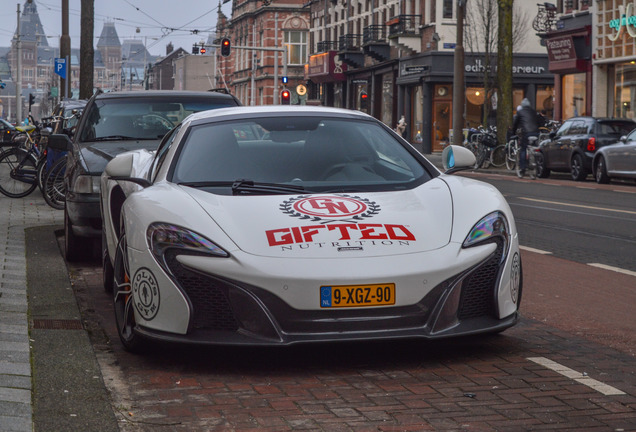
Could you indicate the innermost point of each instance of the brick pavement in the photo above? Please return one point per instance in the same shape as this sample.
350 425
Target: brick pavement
15 366
479 384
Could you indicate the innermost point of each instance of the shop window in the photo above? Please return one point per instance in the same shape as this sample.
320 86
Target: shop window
573 97
625 90
545 101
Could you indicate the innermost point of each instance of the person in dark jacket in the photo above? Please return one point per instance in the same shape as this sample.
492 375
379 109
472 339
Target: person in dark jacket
525 125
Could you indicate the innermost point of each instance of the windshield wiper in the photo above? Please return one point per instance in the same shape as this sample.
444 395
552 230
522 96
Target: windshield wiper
243 186
115 138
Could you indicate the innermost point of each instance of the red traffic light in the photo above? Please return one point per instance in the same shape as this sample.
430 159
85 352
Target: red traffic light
226 47
285 97
202 50
364 96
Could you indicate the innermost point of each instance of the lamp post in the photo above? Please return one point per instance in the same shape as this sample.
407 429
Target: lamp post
459 97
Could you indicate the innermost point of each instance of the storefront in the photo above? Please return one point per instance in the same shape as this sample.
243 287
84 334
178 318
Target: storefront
615 58
327 72
570 54
425 93
372 90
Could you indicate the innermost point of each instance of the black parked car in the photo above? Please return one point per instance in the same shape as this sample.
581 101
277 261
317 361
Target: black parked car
114 123
7 130
572 147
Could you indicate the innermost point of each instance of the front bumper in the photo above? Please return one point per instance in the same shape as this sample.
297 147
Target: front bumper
229 312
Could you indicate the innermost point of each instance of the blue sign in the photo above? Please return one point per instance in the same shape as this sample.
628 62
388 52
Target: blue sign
60 67
449 46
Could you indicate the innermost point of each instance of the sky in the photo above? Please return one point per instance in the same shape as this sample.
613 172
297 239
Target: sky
157 22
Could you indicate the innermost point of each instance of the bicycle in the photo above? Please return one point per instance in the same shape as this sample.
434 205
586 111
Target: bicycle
531 167
512 149
21 165
483 143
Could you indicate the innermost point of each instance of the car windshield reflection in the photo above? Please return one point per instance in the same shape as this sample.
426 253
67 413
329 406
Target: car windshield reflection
317 154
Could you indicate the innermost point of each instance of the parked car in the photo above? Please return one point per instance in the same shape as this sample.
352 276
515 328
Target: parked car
113 123
329 227
572 147
7 130
616 160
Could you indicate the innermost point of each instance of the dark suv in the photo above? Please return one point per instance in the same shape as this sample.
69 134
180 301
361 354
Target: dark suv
114 123
572 147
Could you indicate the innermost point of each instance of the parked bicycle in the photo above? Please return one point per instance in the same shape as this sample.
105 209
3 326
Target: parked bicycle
54 191
483 143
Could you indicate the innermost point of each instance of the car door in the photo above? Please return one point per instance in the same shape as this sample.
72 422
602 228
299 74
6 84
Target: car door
577 136
554 149
621 158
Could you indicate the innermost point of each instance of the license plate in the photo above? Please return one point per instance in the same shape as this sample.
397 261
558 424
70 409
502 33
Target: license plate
357 295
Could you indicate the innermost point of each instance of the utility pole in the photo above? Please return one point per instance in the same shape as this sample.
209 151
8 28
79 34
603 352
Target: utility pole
18 84
459 92
87 52
65 52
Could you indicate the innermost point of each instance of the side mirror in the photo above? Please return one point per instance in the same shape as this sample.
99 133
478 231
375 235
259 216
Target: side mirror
121 168
456 158
60 142
623 139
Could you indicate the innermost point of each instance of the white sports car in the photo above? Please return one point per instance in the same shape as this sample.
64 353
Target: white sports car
280 225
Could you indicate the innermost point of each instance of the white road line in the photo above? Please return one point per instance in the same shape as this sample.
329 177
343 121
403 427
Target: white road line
579 205
600 387
539 251
616 269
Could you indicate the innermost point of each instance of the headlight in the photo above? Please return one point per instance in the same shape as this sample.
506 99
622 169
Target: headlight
162 237
490 228
86 184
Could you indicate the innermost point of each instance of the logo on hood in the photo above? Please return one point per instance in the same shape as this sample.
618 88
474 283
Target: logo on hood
330 208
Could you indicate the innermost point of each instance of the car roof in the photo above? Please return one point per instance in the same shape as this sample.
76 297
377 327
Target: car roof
601 119
265 110
163 93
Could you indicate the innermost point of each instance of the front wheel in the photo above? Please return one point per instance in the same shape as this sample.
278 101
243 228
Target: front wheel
542 171
54 191
498 156
17 172
511 155
123 300
601 172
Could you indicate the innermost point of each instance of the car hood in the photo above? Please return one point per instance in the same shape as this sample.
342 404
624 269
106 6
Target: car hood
335 225
96 155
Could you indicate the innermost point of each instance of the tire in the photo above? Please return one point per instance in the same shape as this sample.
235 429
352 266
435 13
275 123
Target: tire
54 191
498 156
11 160
578 171
123 300
75 248
41 173
511 154
542 171
601 171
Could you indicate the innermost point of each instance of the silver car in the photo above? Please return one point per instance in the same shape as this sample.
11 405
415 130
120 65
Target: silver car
616 160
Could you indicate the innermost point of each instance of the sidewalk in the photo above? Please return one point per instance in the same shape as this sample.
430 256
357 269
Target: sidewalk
15 358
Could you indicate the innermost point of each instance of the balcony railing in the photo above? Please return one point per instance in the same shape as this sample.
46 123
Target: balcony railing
374 33
324 46
404 25
350 42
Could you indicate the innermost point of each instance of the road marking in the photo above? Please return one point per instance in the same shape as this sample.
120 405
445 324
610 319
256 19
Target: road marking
600 387
539 251
623 191
616 269
578 205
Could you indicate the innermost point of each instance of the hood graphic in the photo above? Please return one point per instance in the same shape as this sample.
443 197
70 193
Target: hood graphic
330 225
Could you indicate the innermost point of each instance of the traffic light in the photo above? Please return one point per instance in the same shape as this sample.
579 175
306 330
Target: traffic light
31 99
203 50
364 100
226 47
285 97
195 49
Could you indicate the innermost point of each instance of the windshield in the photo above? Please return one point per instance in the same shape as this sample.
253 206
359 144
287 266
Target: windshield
142 117
304 153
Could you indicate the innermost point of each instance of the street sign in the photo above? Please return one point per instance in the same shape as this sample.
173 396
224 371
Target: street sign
60 67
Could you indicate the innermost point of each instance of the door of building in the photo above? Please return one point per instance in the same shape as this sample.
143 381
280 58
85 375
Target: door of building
442 117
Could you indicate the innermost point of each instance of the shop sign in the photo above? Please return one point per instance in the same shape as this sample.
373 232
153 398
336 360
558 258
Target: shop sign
326 66
561 48
415 69
627 20
478 66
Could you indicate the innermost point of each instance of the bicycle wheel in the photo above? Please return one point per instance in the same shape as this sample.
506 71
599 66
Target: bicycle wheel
54 190
498 156
41 172
17 172
481 156
511 154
